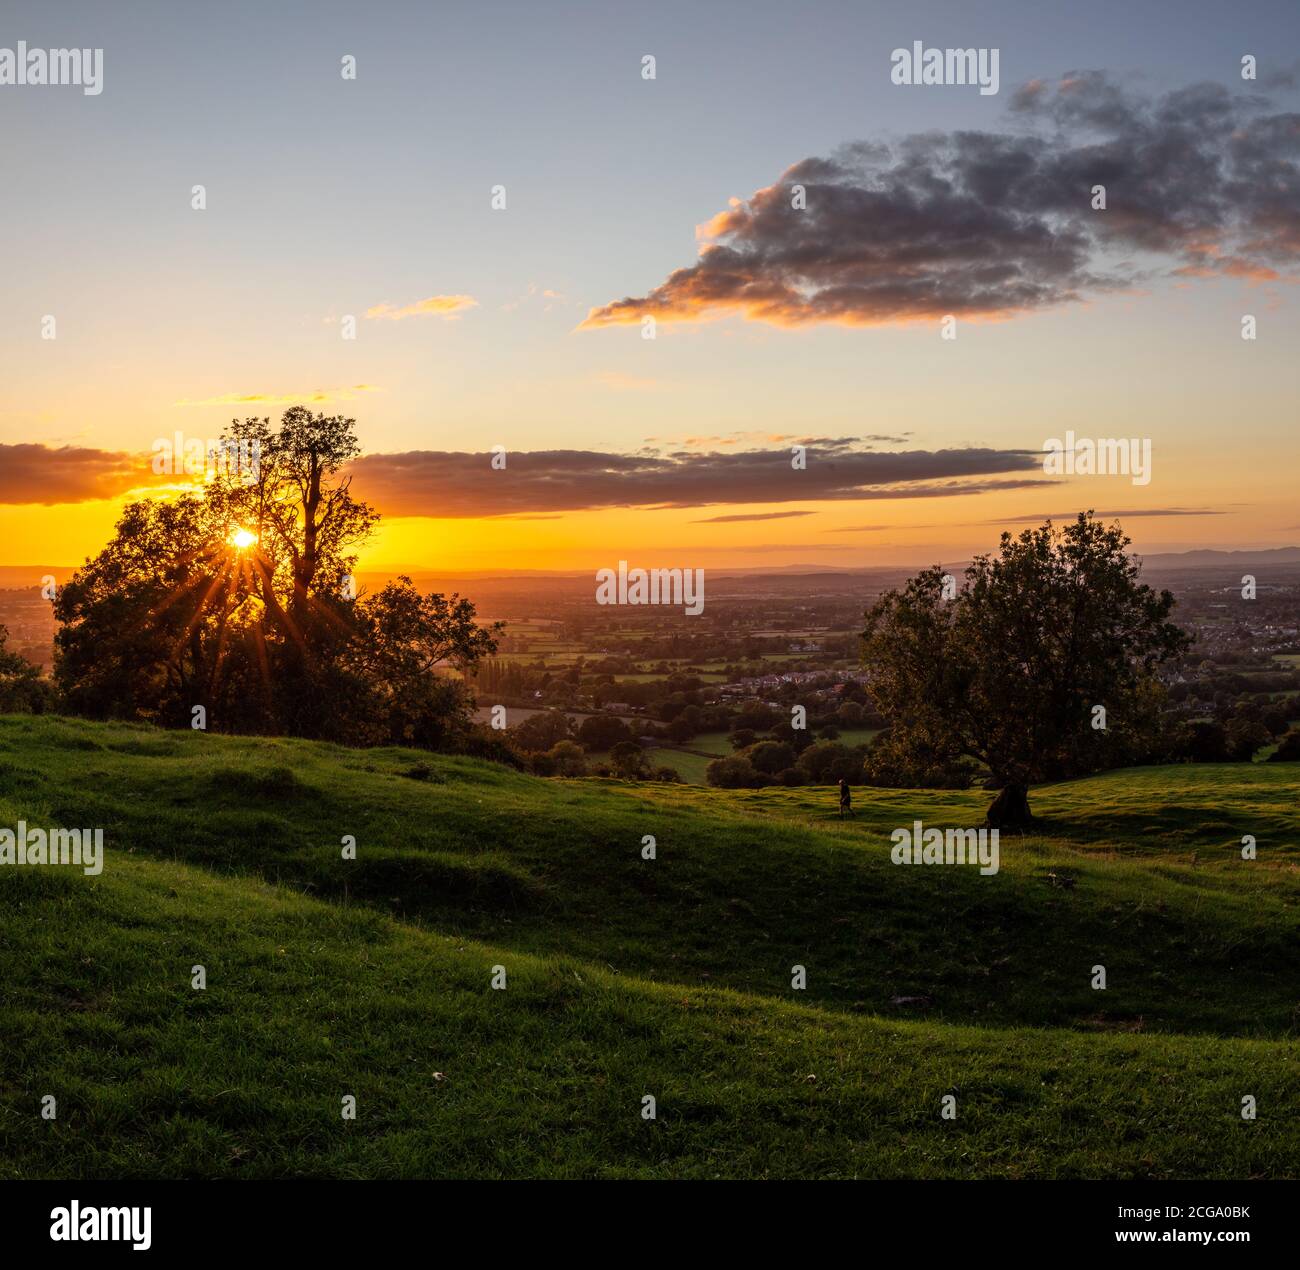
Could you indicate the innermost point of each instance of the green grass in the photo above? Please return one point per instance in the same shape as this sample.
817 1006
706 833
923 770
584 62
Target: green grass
690 767
626 977
715 743
855 736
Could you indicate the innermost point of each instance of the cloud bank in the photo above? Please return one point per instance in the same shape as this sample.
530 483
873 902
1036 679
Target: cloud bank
46 475
536 484
457 484
1200 182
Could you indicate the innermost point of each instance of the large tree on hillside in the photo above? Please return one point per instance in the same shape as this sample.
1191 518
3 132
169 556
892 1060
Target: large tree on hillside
146 626
236 598
404 637
1010 667
306 524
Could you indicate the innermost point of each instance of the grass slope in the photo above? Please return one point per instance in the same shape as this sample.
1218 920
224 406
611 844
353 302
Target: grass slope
626 977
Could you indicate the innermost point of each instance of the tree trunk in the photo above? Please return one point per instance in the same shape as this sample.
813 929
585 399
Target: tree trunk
1010 809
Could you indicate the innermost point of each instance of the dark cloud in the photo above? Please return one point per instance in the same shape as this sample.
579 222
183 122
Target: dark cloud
975 224
541 485
1038 517
737 517
456 484
1282 78
767 548
67 474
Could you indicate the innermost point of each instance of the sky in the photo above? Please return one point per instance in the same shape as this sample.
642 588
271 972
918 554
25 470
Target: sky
625 197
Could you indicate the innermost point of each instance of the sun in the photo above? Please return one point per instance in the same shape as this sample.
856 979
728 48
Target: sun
241 539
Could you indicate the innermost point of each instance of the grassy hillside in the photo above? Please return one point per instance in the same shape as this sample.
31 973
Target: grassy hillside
629 977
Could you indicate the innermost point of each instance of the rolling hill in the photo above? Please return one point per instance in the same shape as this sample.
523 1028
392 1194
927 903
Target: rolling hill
628 977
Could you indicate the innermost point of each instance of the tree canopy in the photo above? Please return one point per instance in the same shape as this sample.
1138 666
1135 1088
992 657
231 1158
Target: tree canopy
1042 664
21 685
240 598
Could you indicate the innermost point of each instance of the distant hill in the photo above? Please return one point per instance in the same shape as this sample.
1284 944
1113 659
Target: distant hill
29 575
483 579
628 976
489 582
1194 559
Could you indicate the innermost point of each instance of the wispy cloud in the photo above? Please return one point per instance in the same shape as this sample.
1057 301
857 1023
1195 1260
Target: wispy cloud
1039 517
548 296
282 398
743 516
443 306
766 548
776 438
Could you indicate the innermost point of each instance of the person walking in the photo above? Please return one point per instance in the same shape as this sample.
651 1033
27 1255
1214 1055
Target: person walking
846 800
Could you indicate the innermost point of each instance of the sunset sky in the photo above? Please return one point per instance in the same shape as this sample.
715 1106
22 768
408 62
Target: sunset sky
520 327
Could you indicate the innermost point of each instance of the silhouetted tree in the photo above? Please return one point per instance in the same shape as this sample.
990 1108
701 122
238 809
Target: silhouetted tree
402 638
602 732
1010 667
1245 736
22 690
568 758
239 598
539 732
733 772
1202 741
629 761
299 506
770 757
1288 748
155 624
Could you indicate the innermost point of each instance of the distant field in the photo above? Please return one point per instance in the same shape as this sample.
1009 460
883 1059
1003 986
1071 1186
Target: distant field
719 745
517 714
648 677
712 742
515 626
856 736
690 767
